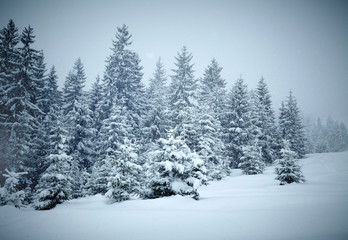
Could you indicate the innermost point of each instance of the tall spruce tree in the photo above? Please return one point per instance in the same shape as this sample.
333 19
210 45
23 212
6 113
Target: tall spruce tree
113 133
123 180
9 65
210 146
290 125
122 80
211 96
183 99
236 123
266 122
213 89
25 111
156 122
77 124
54 184
73 87
95 98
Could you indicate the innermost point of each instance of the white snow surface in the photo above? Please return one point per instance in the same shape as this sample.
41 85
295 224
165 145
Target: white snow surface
238 207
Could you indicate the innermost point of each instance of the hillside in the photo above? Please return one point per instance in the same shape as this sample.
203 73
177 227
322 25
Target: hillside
238 207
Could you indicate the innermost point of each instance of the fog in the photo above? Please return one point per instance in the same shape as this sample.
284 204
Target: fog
298 45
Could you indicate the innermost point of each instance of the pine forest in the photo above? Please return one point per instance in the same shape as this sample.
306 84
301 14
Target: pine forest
125 140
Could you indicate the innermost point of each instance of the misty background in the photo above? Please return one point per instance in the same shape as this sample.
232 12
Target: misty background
298 45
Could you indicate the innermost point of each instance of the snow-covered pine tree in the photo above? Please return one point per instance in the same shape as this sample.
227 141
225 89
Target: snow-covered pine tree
236 123
122 80
266 122
40 137
176 170
52 122
12 193
210 147
54 186
77 123
212 93
99 178
183 99
94 103
80 147
22 118
9 65
251 161
211 101
95 99
290 125
156 121
113 133
288 169
255 131
73 87
123 181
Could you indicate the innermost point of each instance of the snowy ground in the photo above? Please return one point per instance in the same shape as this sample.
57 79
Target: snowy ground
239 207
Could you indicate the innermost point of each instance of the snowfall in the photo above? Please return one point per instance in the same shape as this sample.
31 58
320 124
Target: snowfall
238 207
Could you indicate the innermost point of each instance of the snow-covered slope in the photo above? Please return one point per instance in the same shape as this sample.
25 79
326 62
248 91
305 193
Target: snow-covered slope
239 207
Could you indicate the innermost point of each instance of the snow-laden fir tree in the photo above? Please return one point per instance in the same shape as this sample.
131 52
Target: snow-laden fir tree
99 178
22 113
114 131
95 99
251 161
288 169
80 148
211 104
210 147
77 124
40 136
175 170
183 99
236 123
9 64
12 193
123 181
290 126
212 93
266 122
73 87
156 121
54 186
122 81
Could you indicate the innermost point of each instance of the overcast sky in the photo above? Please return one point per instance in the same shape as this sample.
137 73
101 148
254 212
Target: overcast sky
299 45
